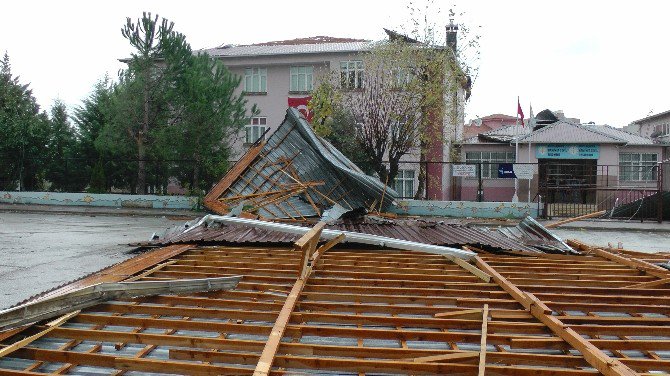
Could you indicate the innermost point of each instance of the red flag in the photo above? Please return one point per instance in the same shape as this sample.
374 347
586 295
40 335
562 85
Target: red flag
301 105
519 111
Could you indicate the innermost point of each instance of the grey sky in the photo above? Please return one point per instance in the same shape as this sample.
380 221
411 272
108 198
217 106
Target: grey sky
598 61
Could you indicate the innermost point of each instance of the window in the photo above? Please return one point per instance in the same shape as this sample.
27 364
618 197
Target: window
489 161
637 166
301 79
255 80
403 76
256 129
662 130
404 183
351 74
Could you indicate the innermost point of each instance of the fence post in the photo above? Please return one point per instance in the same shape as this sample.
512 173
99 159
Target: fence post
480 189
660 192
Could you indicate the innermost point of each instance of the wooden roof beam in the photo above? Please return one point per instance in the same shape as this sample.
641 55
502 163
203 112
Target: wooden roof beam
598 359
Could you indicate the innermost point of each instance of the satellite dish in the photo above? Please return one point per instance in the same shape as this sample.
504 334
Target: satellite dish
477 122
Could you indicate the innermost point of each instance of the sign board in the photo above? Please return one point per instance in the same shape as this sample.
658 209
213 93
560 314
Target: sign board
464 170
506 171
524 171
568 151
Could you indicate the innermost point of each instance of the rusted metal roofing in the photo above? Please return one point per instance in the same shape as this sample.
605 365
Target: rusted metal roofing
435 232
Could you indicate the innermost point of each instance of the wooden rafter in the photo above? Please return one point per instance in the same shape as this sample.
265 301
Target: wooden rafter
598 359
306 246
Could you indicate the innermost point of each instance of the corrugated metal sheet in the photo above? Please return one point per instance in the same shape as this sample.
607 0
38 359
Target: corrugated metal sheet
294 155
429 232
562 132
566 132
312 48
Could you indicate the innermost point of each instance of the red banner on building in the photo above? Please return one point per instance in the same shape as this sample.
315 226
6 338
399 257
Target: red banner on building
301 105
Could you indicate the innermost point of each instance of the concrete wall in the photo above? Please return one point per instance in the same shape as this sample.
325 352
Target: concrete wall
95 199
466 209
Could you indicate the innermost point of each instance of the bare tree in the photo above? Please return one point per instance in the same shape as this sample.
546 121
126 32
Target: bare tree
387 107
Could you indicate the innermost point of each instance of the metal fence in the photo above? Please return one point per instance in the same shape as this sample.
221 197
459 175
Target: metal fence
100 176
559 188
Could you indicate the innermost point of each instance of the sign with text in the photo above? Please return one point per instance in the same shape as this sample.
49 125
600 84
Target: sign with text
524 171
568 151
464 170
506 171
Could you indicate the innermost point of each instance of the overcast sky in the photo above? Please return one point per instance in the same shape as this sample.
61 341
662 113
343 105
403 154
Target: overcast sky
598 61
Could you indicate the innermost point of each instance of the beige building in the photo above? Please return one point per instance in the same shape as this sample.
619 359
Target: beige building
276 75
656 127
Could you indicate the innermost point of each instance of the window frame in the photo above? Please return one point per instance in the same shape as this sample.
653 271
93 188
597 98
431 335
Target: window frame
255 130
351 74
259 74
489 162
406 182
306 72
634 168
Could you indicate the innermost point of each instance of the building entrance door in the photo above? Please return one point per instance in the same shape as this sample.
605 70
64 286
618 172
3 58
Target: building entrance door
568 182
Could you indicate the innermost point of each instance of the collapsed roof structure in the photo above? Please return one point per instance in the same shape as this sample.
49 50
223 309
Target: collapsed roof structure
357 296
295 175
319 306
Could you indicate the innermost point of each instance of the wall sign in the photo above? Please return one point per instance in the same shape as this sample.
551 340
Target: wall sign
506 171
524 171
468 171
568 151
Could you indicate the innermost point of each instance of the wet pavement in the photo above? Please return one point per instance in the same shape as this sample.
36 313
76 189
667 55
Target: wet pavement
632 239
42 251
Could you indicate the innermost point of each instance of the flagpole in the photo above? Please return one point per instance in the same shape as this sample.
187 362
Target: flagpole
530 124
515 198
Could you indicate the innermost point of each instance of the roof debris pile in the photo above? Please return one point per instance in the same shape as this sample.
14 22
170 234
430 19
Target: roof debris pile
313 305
527 236
293 176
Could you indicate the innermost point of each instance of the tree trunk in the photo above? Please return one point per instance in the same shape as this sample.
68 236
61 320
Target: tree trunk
420 189
141 141
141 165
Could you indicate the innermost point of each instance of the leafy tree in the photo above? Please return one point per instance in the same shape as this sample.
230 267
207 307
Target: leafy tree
337 125
23 134
90 118
61 169
409 100
206 114
158 52
98 181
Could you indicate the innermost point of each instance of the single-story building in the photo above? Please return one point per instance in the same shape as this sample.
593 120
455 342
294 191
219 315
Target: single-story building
571 163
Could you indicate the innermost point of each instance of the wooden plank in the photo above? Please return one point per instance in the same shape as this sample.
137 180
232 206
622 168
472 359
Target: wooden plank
26 341
211 199
445 357
575 219
311 363
307 243
472 314
630 262
470 268
482 344
331 243
598 359
644 285
150 271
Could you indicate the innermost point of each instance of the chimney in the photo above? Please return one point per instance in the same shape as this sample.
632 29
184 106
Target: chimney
452 34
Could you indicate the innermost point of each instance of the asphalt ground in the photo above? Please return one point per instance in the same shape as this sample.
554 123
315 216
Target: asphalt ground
40 251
